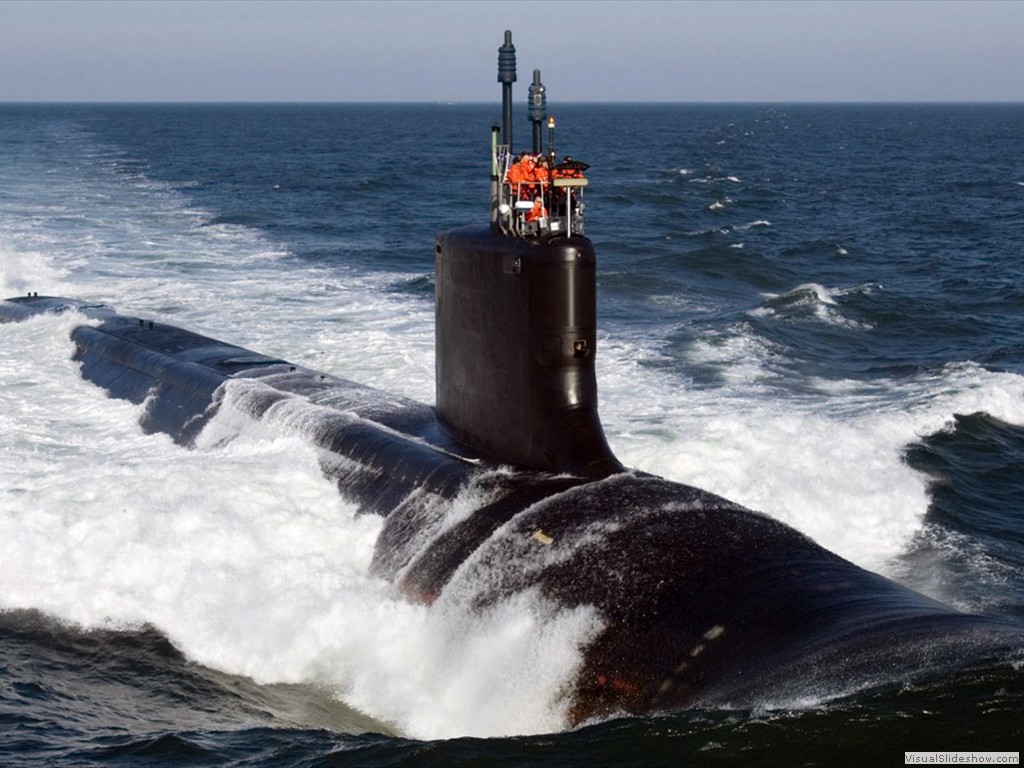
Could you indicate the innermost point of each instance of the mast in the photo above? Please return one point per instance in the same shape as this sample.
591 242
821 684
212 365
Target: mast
537 111
507 76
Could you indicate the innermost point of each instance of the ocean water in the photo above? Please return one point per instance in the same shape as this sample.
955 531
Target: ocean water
815 311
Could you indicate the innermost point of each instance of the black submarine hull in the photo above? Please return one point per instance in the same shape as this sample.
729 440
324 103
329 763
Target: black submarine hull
695 601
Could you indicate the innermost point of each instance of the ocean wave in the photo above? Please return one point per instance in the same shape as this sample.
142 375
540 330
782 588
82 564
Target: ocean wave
753 224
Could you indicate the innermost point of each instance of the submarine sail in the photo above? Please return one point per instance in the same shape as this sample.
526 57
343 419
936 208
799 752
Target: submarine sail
517 311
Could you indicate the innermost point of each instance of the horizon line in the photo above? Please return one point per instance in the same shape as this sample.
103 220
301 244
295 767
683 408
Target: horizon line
450 102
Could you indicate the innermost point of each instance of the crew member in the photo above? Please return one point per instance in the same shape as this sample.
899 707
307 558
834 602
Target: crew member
521 175
538 211
540 171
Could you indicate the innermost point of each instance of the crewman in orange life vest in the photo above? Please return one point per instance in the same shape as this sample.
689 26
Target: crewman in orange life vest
538 211
520 176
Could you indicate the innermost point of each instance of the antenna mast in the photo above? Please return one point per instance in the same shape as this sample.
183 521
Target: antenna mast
507 76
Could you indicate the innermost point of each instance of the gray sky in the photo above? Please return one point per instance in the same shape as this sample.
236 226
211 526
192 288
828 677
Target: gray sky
603 50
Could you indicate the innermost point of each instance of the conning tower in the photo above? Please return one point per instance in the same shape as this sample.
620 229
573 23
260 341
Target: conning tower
516 309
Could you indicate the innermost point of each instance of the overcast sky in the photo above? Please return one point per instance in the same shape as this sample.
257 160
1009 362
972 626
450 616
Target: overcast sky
604 50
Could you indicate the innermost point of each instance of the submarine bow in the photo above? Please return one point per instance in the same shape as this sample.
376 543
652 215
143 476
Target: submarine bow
699 601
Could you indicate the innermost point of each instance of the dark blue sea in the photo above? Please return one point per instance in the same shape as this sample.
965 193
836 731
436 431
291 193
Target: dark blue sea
816 311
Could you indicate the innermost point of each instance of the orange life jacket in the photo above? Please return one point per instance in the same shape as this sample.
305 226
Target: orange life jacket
520 175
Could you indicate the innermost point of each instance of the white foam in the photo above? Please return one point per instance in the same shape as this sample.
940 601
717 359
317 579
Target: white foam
757 223
831 465
247 559
499 671
816 298
819 292
21 271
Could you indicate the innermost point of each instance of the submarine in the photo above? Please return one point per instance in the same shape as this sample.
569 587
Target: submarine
697 602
